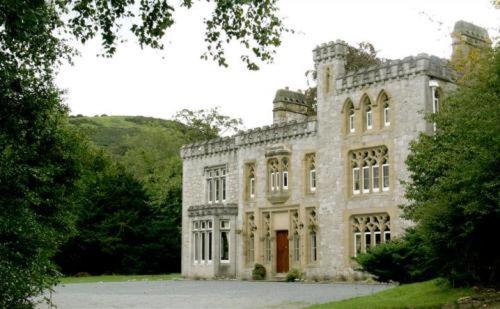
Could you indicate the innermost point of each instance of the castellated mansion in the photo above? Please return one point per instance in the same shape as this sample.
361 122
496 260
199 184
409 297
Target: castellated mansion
316 187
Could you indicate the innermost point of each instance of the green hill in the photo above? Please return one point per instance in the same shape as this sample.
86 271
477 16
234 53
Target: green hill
111 132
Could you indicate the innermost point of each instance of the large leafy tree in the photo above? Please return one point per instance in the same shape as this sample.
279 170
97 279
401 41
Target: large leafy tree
39 32
454 185
39 164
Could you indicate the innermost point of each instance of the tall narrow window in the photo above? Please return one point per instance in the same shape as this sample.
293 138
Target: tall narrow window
355 180
312 180
296 247
357 244
369 118
367 113
251 181
251 248
387 235
435 103
378 237
223 179
196 247
368 241
375 178
314 246
284 167
366 179
311 172
268 248
352 127
385 177
210 188
224 241
387 114
217 186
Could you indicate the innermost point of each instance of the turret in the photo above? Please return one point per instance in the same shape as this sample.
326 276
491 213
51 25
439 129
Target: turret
467 40
329 60
290 105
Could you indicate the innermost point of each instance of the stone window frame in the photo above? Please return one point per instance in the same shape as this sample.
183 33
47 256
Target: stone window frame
371 224
349 118
368 160
250 181
203 241
216 183
267 238
384 101
311 176
251 229
278 174
367 108
312 235
223 229
437 96
295 237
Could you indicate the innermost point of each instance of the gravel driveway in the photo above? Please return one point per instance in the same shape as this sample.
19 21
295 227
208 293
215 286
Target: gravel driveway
204 294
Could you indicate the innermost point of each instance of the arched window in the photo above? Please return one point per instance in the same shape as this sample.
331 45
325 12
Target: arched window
367 113
350 117
385 109
370 170
311 172
274 175
436 102
369 230
251 181
284 163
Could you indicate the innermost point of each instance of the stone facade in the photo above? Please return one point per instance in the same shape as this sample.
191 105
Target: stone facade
328 183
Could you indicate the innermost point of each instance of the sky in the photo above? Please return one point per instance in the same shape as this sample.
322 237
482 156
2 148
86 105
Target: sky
159 83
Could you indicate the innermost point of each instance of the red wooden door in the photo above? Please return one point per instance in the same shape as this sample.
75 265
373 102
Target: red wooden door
282 251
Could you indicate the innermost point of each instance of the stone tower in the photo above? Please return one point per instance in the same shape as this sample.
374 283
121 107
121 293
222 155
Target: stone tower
289 106
467 39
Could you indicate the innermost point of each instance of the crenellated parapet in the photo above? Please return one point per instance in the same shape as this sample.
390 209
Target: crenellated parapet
397 69
328 51
266 134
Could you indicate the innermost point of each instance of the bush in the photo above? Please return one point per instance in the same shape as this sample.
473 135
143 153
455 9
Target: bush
403 260
293 275
259 272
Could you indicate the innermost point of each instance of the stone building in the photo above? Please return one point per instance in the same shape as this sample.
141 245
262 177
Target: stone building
317 186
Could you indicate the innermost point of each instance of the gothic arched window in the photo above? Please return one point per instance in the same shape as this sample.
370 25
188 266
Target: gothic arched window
367 113
350 123
385 109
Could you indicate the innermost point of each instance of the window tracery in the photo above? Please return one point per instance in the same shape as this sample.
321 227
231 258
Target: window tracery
369 230
312 222
369 169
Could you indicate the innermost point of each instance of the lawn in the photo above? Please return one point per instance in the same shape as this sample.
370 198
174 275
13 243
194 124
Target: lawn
118 278
428 294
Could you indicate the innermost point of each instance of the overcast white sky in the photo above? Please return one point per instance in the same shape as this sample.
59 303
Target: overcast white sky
159 83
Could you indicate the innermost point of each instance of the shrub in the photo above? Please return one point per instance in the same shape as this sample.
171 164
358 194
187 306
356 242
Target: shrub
259 272
403 260
293 275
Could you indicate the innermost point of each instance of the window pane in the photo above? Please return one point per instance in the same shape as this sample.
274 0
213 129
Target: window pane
385 175
252 189
273 182
366 179
375 178
357 244
285 180
314 253
387 120
209 246
351 122
217 189
369 119
355 179
202 246
387 236
296 248
368 241
224 246
196 247
268 249
224 188
378 238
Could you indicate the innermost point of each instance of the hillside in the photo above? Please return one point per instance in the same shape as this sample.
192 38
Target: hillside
111 132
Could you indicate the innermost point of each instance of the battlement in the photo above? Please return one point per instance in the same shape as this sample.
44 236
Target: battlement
266 134
395 69
328 51
470 34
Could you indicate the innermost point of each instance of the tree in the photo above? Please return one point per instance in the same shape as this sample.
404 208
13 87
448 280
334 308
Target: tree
38 33
39 165
207 124
454 180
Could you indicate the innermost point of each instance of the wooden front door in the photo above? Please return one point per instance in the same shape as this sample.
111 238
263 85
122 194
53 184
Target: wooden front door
281 251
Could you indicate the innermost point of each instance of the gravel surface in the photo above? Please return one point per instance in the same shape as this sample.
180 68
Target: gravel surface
204 294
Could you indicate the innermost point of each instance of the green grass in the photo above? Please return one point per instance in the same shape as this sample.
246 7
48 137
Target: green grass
428 294
118 278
